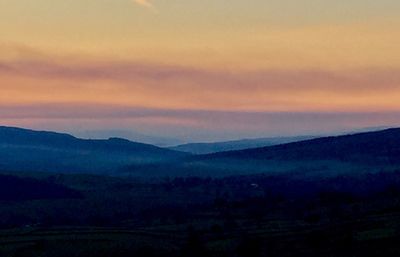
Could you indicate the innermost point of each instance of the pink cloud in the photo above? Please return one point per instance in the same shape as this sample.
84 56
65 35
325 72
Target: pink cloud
168 76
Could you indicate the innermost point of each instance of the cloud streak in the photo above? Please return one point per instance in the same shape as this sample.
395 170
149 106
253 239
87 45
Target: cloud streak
189 124
158 85
166 76
145 3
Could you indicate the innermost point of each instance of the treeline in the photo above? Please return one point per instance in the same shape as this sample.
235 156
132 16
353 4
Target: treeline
14 188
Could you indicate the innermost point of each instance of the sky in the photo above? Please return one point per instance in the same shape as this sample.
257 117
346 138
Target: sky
200 70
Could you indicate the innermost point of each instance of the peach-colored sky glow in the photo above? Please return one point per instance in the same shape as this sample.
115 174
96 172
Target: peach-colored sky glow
202 70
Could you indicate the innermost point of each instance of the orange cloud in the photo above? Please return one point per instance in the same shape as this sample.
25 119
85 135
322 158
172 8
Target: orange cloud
177 87
145 3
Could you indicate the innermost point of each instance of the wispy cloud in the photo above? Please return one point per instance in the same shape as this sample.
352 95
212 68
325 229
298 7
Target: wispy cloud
188 124
145 3
270 80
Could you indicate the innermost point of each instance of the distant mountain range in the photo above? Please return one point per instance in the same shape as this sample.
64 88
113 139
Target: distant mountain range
207 148
28 150
129 135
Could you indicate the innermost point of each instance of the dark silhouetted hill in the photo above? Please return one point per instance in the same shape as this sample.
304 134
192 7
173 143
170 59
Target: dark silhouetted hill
28 150
380 147
348 155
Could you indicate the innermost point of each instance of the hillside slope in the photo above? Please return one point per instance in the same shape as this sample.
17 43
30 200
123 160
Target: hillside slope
329 156
28 150
380 146
207 148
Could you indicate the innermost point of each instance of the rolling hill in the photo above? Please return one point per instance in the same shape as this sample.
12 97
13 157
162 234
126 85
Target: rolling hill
379 146
28 150
348 155
207 148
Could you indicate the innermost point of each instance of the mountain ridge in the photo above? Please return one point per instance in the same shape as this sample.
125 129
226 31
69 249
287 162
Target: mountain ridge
50 151
365 142
246 143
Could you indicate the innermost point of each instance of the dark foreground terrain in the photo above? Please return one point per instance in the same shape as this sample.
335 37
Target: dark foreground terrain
255 215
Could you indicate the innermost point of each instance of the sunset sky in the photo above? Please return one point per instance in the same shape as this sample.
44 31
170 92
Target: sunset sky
200 70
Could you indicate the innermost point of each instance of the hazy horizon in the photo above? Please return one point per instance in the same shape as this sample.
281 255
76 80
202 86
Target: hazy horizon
164 140
200 70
